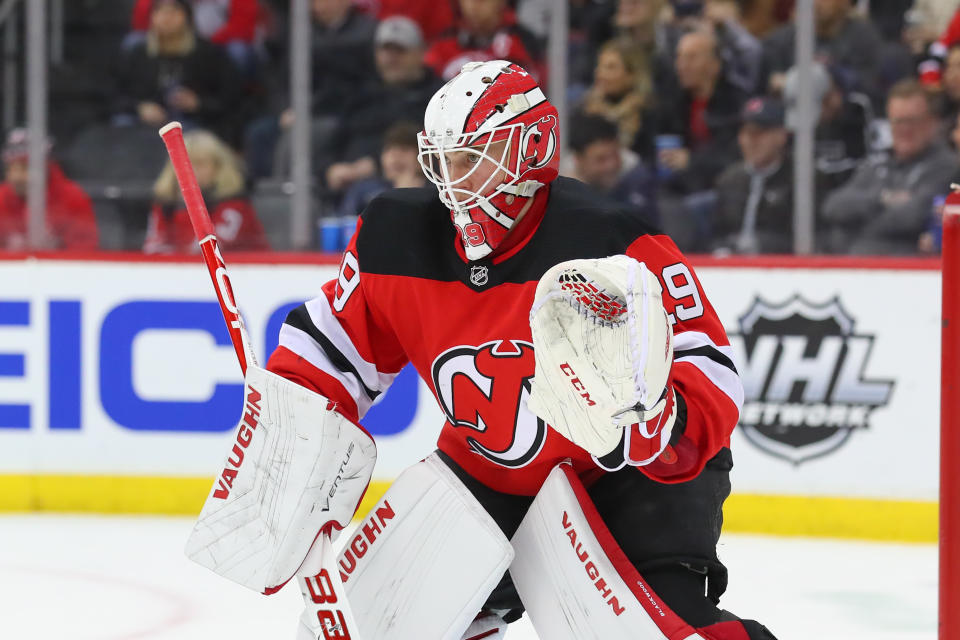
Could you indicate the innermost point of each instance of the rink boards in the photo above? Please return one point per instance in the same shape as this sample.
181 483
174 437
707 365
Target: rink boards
119 387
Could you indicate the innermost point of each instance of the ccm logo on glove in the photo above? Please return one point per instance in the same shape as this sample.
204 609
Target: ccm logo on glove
570 373
244 436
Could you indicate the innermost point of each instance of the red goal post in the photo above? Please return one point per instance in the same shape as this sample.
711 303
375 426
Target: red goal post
949 617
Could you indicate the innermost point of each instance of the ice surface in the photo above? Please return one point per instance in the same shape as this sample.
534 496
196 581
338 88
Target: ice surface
126 578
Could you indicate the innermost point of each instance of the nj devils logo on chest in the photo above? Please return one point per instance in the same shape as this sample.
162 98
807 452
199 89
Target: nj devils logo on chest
485 389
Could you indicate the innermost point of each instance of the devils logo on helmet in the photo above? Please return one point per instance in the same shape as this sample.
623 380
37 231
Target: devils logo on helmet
539 143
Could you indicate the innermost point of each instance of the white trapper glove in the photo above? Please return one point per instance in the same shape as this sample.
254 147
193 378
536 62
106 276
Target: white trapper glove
604 352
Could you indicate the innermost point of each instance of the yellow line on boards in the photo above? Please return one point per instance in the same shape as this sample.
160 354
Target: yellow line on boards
166 495
858 518
819 516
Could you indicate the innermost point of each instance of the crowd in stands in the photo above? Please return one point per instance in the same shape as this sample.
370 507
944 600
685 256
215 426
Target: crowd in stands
681 110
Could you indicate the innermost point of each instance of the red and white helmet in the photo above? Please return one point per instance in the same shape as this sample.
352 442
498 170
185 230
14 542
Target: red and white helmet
485 104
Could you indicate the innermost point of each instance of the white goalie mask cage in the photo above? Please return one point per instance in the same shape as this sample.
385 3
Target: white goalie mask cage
436 157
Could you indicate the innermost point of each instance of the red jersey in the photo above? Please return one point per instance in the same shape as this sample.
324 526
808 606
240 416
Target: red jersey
406 294
453 49
433 17
237 19
70 220
234 221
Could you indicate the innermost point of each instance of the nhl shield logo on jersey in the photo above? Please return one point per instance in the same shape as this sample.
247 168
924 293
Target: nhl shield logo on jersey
803 371
485 389
479 275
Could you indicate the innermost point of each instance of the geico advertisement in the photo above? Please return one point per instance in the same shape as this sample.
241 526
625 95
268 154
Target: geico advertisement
127 368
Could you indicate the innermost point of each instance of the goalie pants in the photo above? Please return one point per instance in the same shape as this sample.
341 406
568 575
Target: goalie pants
668 531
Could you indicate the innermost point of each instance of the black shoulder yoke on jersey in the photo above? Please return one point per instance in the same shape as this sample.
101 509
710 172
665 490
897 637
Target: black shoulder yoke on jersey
408 232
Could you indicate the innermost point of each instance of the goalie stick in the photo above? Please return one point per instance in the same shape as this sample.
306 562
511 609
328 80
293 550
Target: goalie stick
318 577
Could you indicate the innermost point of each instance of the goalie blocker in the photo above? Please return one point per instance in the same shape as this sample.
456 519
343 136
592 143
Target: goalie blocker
296 467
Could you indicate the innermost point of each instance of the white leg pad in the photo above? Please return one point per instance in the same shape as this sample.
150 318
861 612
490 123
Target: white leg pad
574 580
424 560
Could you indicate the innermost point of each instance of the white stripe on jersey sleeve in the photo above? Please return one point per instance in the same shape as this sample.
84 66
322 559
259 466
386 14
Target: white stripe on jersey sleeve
324 320
306 347
724 378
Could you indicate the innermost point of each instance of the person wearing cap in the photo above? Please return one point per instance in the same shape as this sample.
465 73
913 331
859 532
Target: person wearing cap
884 208
841 133
70 221
755 196
175 75
399 91
432 16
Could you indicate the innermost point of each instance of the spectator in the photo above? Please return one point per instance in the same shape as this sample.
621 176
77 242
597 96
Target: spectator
885 206
342 46
399 169
761 17
231 24
174 75
341 52
842 39
70 221
621 88
432 16
704 113
951 88
755 196
696 139
930 66
635 22
222 183
486 30
923 24
639 21
741 52
842 134
399 91
616 172
931 239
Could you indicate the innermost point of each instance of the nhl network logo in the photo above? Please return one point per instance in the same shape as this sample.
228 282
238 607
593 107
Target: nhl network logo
478 275
803 371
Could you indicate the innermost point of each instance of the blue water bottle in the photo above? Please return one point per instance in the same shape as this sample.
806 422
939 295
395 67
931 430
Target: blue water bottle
330 235
348 225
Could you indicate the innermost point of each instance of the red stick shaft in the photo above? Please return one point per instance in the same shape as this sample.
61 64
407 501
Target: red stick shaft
172 135
950 424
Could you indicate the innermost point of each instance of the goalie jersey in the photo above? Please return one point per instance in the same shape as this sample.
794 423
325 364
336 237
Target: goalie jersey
406 293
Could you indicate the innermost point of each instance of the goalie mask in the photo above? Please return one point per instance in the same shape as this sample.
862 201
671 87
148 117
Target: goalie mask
489 142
